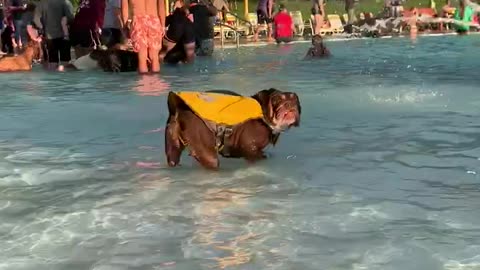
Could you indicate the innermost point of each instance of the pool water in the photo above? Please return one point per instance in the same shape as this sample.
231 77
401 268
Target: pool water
381 174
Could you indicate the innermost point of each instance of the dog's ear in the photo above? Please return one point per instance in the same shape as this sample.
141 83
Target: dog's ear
299 108
263 97
298 103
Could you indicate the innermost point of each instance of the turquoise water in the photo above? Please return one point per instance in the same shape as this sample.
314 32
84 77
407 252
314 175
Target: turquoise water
381 174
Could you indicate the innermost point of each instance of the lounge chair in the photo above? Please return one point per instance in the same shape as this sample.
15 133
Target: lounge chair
241 25
336 26
335 23
227 32
298 22
345 19
308 26
230 19
253 20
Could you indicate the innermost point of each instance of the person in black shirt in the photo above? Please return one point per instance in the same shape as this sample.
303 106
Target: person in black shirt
179 38
203 26
7 40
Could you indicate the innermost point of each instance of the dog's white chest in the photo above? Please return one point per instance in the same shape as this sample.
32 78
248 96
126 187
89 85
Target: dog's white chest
85 63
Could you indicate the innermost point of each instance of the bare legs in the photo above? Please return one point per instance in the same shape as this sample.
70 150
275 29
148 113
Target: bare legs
318 23
269 32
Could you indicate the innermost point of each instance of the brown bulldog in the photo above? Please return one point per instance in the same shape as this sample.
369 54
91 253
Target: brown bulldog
226 123
23 61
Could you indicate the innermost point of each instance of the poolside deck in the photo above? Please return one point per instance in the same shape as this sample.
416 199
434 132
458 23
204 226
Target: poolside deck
246 42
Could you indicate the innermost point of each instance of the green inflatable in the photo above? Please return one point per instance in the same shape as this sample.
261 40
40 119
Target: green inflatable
467 18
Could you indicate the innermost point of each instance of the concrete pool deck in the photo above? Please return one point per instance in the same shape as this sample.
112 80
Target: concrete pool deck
301 40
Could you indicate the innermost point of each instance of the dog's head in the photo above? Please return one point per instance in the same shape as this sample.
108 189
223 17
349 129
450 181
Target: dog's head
281 110
317 40
34 50
106 59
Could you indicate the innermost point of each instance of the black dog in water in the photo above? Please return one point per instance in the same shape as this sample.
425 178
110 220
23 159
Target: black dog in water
114 60
318 49
110 60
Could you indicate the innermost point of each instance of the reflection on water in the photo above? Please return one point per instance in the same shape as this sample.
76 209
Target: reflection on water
382 174
224 242
151 85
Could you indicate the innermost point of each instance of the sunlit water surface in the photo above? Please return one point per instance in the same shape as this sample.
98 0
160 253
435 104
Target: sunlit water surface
381 174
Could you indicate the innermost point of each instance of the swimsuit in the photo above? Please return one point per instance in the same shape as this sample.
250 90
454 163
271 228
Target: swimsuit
147 32
262 12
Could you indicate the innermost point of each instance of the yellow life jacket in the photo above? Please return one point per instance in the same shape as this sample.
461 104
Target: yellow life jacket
222 109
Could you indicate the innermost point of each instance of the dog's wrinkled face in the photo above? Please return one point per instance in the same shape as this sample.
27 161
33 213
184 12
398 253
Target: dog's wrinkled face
36 50
281 110
115 63
106 59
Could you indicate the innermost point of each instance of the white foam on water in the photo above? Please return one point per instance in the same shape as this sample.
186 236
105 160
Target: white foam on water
43 175
370 212
48 155
108 267
466 264
454 221
378 258
230 177
29 165
342 197
409 97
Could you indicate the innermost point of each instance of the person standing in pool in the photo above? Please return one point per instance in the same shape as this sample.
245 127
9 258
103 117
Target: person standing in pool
179 41
49 17
318 12
203 26
283 26
112 31
16 9
27 23
147 30
86 27
264 17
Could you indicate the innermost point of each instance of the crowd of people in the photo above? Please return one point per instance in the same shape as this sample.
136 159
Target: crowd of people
138 25
143 27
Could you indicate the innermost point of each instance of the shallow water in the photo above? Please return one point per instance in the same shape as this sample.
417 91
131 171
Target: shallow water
382 173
